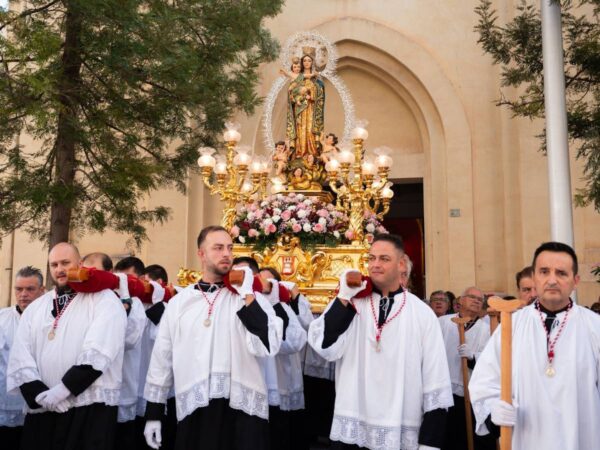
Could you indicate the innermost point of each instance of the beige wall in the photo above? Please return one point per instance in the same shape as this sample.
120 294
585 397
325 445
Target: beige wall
416 73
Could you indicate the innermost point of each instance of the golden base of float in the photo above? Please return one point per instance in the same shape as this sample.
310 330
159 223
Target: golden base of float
316 272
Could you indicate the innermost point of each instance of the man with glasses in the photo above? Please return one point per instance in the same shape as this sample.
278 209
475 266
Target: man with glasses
439 302
477 333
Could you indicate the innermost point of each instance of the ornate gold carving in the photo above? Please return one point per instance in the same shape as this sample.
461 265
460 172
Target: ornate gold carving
316 272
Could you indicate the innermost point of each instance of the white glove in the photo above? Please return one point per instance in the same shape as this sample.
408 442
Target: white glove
504 414
427 447
152 434
289 285
158 293
246 287
53 398
62 407
348 293
273 296
123 285
465 351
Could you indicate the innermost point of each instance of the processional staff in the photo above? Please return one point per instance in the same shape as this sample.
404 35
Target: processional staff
461 322
506 308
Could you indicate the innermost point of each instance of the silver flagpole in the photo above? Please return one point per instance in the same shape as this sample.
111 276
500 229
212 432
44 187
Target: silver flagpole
559 176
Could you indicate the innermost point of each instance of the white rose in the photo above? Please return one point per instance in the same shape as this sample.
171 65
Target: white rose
242 239
323 221
301 214
370 228
268 221
250 216
292 207
276 211
308 202
300 197
306 227
293 221
279 196
276 219
336 233
264 204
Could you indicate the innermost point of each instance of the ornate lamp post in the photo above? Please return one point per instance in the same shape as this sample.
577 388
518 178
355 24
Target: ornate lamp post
352 176
232 184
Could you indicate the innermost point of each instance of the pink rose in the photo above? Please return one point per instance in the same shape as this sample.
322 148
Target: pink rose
286 215
322 213
272 228
318 228
235 231
252 233
296 228
349 234
259 214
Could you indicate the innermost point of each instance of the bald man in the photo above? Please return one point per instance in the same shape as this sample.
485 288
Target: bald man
66 361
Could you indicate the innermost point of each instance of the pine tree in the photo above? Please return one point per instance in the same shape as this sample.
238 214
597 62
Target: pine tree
517 48
119 95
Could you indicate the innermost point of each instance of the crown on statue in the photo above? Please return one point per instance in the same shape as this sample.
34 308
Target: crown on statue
310 51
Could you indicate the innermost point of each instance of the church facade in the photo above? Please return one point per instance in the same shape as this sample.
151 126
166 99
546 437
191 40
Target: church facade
416 73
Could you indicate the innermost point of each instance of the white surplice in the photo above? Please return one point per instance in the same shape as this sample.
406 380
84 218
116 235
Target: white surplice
476 338
11 405
136 323
381 397
218 361
91 331
283 371
559 412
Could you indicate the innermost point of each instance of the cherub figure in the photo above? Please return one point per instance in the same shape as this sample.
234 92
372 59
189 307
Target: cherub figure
328 143
300 179
280 158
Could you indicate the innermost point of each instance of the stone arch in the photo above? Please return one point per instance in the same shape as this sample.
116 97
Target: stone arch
415 75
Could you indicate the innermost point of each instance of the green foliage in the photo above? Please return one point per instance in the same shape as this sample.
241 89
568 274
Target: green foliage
130 89
517 48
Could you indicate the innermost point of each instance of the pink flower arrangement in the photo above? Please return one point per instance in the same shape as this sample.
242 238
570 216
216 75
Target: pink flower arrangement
309 218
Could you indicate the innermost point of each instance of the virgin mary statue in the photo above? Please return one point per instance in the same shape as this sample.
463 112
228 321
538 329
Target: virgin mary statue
306 107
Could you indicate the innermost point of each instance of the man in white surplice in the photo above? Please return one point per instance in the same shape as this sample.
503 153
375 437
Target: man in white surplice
477 334
208 343
555 365
392 381
66 360
29 285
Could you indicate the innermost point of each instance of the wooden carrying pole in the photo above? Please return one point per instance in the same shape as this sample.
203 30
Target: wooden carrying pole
493 314
506 308
460 322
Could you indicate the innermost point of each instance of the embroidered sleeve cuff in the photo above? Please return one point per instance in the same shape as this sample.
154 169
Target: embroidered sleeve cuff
155 312
433 428
95 359
280 312
155 411
78 378
31 390
337 320
256 321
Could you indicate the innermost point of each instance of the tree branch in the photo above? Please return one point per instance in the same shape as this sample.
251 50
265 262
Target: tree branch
29 12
